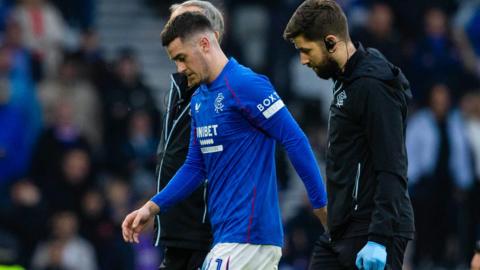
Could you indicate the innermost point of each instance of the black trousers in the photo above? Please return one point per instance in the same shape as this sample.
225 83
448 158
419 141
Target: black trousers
183 259
341 254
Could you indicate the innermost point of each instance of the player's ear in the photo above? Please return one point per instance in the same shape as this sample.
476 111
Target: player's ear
204 43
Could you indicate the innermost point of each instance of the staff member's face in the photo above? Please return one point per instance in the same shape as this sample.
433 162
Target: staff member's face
314 55
189 58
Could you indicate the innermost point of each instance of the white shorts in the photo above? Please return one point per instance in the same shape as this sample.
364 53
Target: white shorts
235 256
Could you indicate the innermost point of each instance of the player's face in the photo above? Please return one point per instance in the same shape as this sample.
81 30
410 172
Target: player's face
193 80
189 60
314 55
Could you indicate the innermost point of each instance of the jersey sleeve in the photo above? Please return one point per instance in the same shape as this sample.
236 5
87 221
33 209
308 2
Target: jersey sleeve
190 175
262 106
257 99
286 131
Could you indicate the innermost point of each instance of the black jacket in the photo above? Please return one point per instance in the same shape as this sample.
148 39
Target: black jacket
366 156
185 225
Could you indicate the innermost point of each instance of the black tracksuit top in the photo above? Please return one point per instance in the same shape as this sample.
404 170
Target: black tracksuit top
366 154
186 224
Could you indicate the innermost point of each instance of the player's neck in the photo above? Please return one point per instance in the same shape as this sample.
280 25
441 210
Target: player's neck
219 61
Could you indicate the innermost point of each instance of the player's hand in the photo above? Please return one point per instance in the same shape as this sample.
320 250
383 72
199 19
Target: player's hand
321 214
136 221
475 264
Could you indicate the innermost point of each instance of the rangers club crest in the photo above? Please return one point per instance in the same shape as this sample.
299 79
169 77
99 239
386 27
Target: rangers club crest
340 98
219 103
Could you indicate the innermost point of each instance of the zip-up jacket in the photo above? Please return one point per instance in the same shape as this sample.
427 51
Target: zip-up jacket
186 224
366 155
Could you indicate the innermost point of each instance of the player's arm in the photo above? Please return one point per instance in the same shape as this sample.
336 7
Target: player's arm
263 107
185 181
285 130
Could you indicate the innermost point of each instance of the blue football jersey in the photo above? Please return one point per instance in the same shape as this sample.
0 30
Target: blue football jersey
236 120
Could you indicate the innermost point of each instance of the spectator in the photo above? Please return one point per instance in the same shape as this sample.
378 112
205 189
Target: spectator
43 31
467 36
380 33
127 93
119 201
18 128
24 65
440 174
139 153
92 60
22 95
25 216
13 146
9 246
470 105
72 87
435 57
301 233
98 228
65 249
119 198
76 178
57 139
99 211
5 10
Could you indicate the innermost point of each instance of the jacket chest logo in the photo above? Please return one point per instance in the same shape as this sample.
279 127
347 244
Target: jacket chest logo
197 106
341 98
219 103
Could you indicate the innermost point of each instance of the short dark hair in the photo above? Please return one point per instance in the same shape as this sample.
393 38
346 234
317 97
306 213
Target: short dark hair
185 25
316 19
209 10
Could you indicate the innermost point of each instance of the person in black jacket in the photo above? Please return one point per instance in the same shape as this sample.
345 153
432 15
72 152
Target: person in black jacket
184 231
370 217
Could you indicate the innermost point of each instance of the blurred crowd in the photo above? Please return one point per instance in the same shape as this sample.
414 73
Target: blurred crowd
77 141
78 132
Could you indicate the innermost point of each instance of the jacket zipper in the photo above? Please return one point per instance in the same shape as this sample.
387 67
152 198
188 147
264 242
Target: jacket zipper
355 189
205 185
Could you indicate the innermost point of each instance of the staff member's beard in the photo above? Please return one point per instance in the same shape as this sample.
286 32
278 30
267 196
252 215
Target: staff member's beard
328 69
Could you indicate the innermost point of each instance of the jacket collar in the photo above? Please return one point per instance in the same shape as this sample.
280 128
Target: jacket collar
352 62
180 86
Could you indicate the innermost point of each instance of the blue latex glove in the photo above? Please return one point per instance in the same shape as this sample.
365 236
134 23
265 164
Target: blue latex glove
372 256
